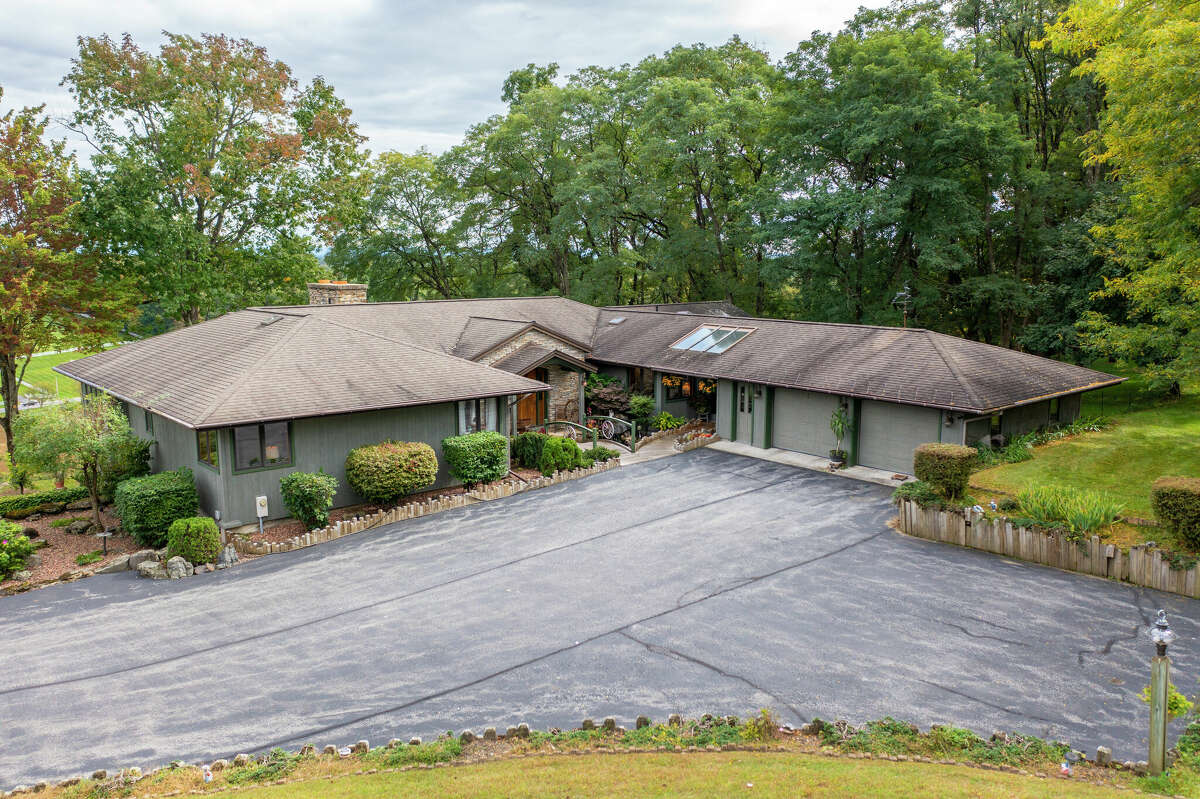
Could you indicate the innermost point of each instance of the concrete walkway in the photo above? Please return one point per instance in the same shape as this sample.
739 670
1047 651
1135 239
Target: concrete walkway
803 461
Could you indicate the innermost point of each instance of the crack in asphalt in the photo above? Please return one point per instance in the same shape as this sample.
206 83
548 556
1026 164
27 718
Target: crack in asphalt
306 734
970 634
986 703
658 649
400 597
1138 595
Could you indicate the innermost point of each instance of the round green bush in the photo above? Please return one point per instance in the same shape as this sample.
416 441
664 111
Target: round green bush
389 470
148 505
195 539
1176 505
560 454
947 467
527 449
309 496
476 457
14 548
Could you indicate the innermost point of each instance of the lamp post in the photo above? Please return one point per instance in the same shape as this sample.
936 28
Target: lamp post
1160 669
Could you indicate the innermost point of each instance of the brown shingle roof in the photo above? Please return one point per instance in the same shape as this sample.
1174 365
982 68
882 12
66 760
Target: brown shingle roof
906 365
532 356
254 365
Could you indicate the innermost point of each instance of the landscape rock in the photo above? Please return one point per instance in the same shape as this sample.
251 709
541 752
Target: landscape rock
219 765
22 575
228 556
80 527
178 568
55 507
522 730
241 760
489 734
100 774
361 747
30 533
141 556
642 721
588 724
79 504
69 781
467 736
152 569
610 724
33 561
121 564
20 513
40 786
414 741
675 720
1141 768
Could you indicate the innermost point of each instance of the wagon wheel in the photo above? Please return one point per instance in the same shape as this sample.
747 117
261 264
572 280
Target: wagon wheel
608 429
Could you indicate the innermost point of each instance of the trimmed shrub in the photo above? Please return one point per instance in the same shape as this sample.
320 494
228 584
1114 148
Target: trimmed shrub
130 458
386 471
603 453
476 457
309 496
559 455
14 548
20 506
1176 504
947 467
527 449
148 505
195 539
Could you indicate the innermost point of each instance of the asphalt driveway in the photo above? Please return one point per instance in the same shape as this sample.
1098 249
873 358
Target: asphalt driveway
705 582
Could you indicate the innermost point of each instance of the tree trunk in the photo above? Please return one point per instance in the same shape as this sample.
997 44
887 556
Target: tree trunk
91 478
11 390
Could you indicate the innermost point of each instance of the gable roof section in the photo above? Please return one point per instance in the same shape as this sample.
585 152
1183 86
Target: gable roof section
905 365
714 308
448 325
253 365
531 356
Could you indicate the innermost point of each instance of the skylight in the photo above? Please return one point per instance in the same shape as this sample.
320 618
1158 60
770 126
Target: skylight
712 339
616 320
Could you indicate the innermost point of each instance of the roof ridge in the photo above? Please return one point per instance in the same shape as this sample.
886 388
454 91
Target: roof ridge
430 350
931 337
458 341
417 302
749 319
236 384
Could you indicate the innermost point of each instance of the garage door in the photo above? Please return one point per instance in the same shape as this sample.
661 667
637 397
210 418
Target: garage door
891 432
801 421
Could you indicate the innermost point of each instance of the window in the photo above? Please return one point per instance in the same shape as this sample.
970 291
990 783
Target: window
475 415
261 446
1054 410
994 425
207 450
745 399
149 419
711 339
676 387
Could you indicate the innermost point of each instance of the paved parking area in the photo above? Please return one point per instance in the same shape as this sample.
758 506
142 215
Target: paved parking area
705 582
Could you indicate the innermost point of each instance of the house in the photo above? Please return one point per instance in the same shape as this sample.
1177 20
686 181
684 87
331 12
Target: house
244 398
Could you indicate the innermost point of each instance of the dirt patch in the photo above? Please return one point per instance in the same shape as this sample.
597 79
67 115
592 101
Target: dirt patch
58 557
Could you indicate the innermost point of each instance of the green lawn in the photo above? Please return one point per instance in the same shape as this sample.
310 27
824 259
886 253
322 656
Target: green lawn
695 775
40 376
1149 441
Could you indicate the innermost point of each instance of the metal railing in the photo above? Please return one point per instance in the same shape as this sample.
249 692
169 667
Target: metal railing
613 428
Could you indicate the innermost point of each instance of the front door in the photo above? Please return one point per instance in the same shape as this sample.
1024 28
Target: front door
531 409
745 412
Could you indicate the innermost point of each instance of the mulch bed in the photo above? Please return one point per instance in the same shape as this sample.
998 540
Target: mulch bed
58 559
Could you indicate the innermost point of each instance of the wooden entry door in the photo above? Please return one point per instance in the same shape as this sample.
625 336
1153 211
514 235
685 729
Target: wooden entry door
531 409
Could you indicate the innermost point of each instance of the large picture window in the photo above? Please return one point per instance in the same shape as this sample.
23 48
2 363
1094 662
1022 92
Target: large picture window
262 446
207 450
475 415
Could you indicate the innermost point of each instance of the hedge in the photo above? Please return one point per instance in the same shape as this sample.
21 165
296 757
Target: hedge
947 467
309 496
22 505
391 469
559 455
1176 504
196 539
527 449
148 505
476 457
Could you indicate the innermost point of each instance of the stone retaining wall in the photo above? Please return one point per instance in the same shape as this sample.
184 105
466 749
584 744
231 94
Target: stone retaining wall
415 509
1141 565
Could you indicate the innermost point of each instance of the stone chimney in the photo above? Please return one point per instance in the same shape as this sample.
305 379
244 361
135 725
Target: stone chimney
336 292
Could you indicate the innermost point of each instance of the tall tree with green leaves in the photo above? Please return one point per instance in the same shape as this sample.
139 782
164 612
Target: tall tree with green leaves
50 292
211 164
1147 57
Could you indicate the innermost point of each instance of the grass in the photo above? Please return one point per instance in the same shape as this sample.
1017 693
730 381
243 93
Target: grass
43 380
766 774
1149 438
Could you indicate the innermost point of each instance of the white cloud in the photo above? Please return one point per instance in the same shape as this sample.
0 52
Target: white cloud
415 73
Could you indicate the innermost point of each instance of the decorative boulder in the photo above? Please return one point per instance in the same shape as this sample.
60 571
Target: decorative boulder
121 564
22 575
30 532
141 556
178 568
151 569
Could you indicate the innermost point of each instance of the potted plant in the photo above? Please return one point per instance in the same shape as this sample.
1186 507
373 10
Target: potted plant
837 423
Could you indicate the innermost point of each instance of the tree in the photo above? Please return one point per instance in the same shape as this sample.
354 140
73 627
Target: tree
50 292
208 156
1147 56
78 437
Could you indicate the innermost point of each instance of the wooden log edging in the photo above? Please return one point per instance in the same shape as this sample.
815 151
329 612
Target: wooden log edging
414 510
1141 565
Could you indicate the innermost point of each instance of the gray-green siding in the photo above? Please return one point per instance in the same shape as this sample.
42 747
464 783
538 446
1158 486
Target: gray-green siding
175 446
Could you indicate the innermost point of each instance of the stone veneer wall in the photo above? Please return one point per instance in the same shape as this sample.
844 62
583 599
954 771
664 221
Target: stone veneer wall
565 384
336 293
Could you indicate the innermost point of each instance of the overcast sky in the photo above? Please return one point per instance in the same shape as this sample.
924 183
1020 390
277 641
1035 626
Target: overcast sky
415 73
